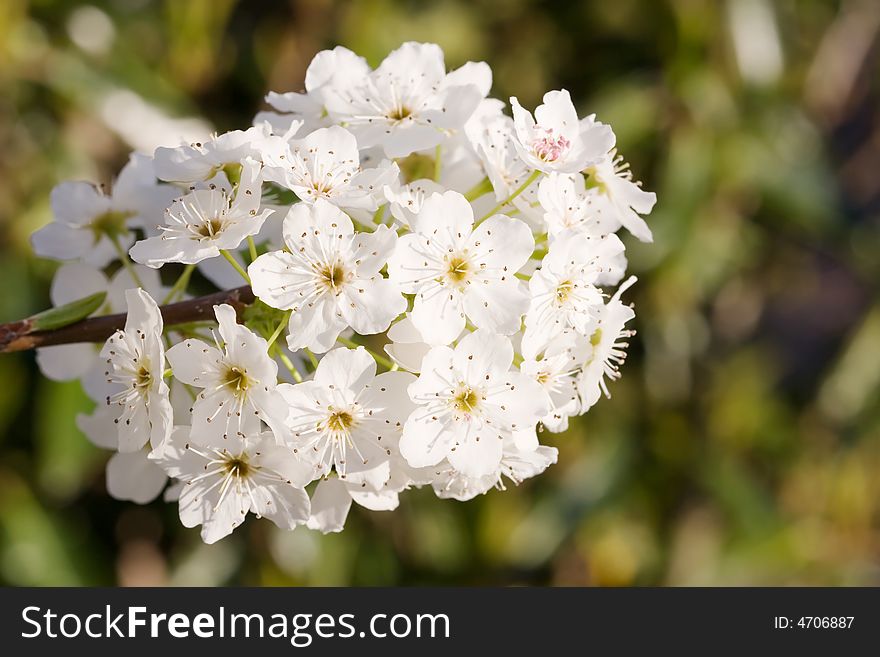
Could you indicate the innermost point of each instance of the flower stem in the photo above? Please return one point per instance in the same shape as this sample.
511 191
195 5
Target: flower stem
438 162
252 248
279 328
124 259
312 358
480 189
290 366
384 362
179 285
22 335
519 190
232 261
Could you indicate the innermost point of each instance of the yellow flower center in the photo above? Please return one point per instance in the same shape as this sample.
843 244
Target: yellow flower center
143 378
457 269
237 380
210 228
563 291
465 400
333 277
237 466
399 113
339 422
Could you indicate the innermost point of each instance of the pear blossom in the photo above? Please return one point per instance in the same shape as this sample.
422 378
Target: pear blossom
469 401
326 165
92 223
608 353
563 291
329 69
555 139
517 465
205 221
406 104
136 366
329 279
493 136
568 205
620 197
223 483
557 370
202 161
459 272
364 212
348 421
346 417
405 201
238 381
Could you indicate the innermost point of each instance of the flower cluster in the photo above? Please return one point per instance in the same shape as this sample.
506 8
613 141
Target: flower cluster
435 283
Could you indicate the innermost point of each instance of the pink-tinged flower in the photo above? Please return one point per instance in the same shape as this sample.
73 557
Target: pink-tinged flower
555 139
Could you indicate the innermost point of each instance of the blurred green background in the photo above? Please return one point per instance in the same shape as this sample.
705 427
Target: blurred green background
742 445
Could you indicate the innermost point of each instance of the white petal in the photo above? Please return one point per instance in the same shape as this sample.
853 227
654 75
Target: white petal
425 441
369 306
67 361
502 241
330 505
483 352
316 327
134 477
497 305
346 369
439 315
479 455
191 359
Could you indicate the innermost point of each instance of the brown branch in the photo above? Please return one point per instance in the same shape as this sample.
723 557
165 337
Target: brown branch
18 336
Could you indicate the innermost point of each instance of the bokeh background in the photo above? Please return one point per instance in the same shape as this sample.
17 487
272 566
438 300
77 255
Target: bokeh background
742 446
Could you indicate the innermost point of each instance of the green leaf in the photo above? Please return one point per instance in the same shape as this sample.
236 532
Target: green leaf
67 314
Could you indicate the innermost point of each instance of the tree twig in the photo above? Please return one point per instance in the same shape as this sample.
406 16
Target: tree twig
20 336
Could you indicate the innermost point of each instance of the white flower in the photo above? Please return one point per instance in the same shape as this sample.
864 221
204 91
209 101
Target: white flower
347 418
406 201
608 349
406 104
516 464
493 137
337 68
468 403
205 221
620 197
204 160
326 165
567 205
557 369
136 368
87 219
221 484
329 278
457 271
239 382
555 139
563 291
